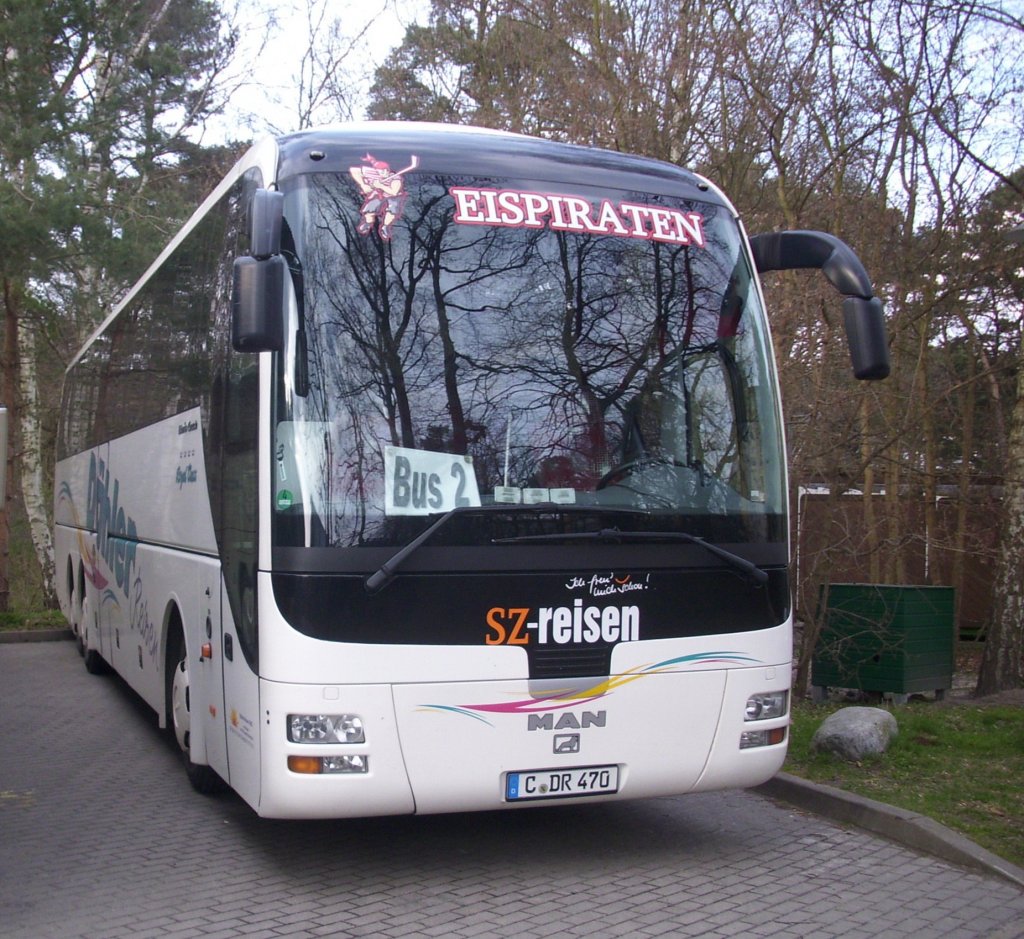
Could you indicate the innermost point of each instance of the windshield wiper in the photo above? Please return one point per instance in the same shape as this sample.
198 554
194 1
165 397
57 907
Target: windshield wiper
754 573
385 573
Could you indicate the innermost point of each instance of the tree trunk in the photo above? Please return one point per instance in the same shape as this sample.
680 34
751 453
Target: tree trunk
868 497
963 514
813 590
928 471
32 477
9 392
1002 664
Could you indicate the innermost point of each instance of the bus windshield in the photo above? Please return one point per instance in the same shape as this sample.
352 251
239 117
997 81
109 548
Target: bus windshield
578 357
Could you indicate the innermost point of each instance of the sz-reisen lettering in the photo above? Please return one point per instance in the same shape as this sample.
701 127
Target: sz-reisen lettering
516 626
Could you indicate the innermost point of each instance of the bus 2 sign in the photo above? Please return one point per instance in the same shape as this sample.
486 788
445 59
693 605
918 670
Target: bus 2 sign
423 482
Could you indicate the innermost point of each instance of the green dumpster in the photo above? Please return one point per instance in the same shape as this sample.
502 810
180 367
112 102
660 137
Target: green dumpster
884 638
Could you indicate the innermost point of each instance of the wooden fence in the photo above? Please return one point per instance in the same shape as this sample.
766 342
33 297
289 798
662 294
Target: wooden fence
834 538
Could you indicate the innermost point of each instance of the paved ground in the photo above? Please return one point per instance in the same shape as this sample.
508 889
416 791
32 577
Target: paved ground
101 836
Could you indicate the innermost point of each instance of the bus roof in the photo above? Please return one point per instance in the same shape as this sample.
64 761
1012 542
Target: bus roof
460 149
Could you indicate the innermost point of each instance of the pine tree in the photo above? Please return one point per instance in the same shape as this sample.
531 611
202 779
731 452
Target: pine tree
99 98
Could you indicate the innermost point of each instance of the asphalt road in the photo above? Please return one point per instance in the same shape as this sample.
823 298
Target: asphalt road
101 835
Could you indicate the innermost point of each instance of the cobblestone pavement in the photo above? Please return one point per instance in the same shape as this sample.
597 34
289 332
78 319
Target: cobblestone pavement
101 835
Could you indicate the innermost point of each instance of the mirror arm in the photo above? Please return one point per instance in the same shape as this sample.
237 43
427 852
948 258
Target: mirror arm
862 310
813 250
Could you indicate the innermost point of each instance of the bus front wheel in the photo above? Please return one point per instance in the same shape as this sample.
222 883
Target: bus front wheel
204 779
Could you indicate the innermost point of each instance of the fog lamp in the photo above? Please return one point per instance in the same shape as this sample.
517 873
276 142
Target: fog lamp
346 764
762 738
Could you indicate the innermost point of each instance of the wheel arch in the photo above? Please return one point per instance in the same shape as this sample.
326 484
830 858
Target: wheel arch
173 639
80 592
73 610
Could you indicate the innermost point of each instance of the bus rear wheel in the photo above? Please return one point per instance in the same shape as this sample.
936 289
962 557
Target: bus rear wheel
94 662
204 779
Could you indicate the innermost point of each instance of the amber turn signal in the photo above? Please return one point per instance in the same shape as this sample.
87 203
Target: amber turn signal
304 764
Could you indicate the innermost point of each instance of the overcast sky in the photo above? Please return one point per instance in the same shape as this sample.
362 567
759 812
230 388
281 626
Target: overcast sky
274 36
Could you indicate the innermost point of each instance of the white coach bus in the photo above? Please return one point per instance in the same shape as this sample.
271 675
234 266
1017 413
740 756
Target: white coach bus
435 469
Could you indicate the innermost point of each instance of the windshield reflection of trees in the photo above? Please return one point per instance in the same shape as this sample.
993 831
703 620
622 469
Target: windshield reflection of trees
551 358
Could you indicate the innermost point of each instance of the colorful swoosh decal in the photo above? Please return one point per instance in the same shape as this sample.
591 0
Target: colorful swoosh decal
559 700
92 572
108 599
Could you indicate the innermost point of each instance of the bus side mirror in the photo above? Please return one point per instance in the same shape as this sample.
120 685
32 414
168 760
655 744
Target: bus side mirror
862 311
266 216
257 296
865 335
257 304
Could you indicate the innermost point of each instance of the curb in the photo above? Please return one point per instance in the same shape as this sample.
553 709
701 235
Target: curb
903 826
36 635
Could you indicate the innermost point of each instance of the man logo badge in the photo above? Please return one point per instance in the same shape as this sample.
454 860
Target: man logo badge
567 743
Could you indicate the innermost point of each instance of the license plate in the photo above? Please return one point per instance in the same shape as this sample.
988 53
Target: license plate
561 783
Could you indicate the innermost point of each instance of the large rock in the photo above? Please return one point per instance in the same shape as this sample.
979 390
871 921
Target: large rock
854 733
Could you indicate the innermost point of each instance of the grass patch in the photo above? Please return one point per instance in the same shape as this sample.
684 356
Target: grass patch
37 619
961 765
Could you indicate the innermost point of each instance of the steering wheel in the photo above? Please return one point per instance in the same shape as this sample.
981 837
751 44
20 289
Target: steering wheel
620 472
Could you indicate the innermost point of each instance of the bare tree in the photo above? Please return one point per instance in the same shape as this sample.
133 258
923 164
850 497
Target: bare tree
1002 666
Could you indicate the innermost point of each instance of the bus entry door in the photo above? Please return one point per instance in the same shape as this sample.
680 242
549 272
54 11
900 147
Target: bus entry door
207 710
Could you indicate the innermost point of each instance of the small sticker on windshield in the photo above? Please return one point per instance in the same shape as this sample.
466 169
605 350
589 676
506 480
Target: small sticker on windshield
383 191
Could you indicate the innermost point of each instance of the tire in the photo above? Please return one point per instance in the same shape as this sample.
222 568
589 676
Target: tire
76 611
94 662
204 779
78 603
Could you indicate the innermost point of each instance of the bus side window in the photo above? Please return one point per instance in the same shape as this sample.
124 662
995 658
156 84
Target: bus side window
239 491
242 417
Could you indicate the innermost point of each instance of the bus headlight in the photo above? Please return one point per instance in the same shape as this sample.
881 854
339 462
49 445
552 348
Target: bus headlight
325 728
766 705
